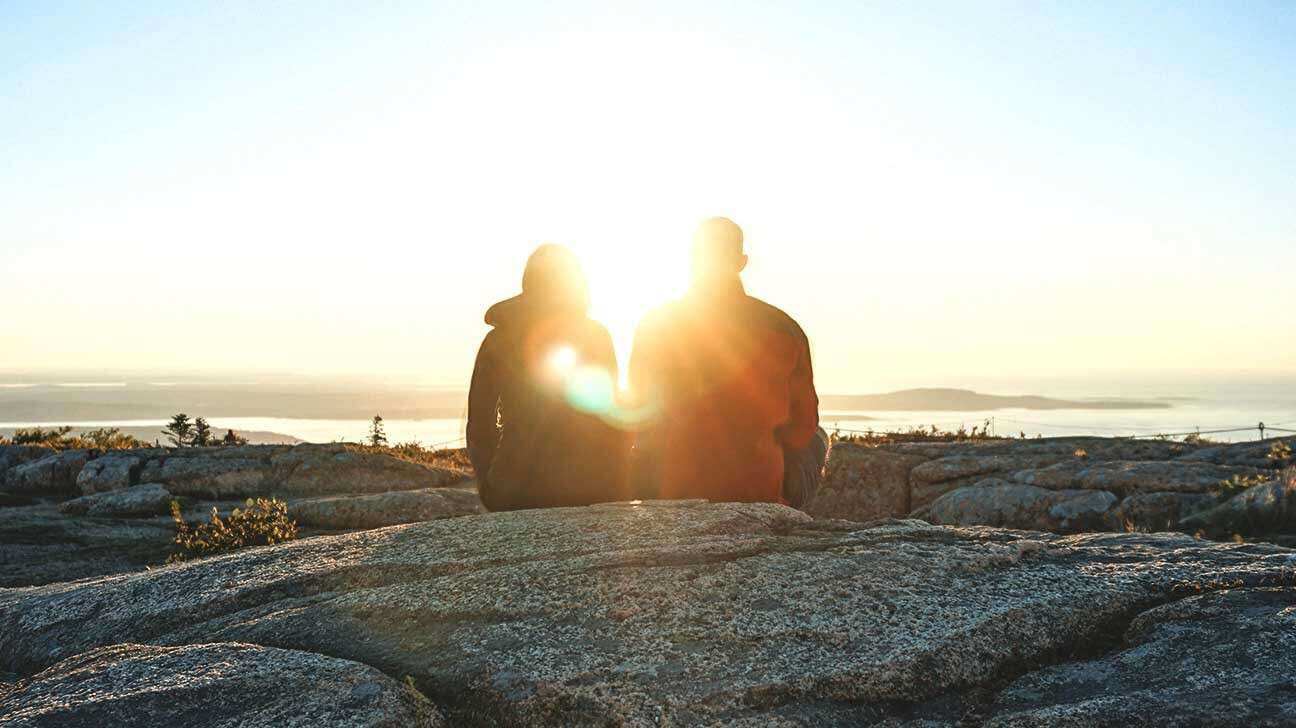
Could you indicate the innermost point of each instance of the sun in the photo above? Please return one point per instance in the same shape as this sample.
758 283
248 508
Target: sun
624 286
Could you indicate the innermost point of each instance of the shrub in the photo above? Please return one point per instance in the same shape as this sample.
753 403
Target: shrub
1280 453
261 522
414 452
59 438
917 434
1226 489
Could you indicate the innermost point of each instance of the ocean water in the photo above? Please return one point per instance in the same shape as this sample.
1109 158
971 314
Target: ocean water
1206 405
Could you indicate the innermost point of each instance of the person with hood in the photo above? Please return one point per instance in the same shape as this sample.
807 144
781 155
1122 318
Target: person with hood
729 379
541 399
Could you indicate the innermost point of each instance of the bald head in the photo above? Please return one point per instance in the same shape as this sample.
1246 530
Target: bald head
717 251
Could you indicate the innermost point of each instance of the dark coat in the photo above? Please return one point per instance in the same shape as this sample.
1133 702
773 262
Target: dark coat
537 434
731 380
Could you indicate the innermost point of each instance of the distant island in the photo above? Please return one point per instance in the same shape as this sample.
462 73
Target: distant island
57 404
152 433
964 400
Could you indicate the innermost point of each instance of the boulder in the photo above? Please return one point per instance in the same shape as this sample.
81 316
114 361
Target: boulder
12 455
210 475
1222 658
1129 477
863 483
1013 505
1261 509
322 469
662 613
1254 454
54 474
1156 511
40 545
112 471
275 470
213 685
146 499
341 512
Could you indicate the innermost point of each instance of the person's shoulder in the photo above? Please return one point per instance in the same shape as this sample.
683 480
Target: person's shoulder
774 317
593 330
662 315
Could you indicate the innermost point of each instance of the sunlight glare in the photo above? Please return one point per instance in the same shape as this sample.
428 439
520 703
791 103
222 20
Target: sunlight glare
562 359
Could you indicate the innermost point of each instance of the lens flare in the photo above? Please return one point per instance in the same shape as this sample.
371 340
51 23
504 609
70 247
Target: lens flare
563 359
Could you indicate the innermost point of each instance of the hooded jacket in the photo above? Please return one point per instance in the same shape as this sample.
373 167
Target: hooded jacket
731 380
536 435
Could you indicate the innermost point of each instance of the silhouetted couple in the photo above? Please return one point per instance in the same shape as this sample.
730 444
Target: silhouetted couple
724 404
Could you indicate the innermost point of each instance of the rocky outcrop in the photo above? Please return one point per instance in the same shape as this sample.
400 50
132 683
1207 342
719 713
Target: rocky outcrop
1133 477
1222 658
147 499
213 685
39 545
863 483
53 474
1150 512
1143 485
118 523
112 471
300 470
717 614
1013 505
384 509
1265 508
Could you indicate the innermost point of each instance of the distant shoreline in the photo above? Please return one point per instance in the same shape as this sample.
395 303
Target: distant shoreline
55 405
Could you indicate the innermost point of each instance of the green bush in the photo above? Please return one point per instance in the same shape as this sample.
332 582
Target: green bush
60 438
261 522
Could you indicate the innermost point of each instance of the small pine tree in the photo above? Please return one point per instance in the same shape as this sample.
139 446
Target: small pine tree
377 434
232 440
179 430
202 434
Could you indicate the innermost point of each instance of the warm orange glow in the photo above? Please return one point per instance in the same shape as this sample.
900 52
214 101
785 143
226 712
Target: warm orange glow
562 360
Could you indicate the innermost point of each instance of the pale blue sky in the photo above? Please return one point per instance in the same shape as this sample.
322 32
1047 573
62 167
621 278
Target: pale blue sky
950 191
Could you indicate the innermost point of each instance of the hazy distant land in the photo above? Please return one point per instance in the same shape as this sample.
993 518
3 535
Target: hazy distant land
141 401
150 434
963 400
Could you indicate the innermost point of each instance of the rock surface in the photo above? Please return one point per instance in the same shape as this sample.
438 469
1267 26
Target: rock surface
39 545
699 614
1146 485
1013 505
1151 512
384 509
53 474
1268 507
213 685
1225 658
334 487
146 499
1132 477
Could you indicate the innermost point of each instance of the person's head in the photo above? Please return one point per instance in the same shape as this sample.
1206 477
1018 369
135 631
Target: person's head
717 251
554 276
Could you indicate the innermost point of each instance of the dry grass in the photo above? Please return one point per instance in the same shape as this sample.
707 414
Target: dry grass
452 459
916 434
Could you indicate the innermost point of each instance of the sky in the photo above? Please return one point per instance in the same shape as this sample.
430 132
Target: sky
939 194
